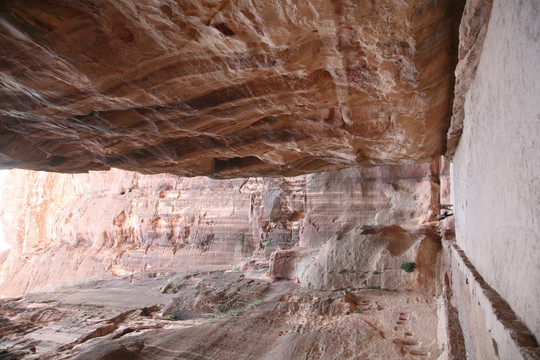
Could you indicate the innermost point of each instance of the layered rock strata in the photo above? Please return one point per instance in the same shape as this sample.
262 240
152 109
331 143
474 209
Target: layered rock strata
368 257
210 314
224 88
72 227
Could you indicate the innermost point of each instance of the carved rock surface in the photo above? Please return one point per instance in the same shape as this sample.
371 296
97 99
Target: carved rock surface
73 227
472 33
224 88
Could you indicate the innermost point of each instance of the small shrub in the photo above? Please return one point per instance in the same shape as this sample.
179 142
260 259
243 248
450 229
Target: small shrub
266 243
358 311
138 318
341 272
234 312
408 267
257 302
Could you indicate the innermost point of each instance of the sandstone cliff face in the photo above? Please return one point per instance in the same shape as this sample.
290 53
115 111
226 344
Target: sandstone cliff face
472 33
224 88
73 227
123 319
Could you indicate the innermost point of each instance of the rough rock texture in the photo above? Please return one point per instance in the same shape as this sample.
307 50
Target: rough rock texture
224 88
496 168
368 257
72 227
472 32
124 320
491 329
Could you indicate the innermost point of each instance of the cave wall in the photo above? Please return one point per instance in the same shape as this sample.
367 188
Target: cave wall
496 167
225 88
65 228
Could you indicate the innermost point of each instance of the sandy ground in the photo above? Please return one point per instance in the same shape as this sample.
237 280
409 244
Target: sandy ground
496 170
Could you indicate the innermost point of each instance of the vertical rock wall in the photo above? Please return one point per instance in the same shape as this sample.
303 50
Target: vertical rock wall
72 227
496 168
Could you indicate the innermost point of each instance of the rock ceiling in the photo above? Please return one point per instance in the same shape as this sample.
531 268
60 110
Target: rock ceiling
224 88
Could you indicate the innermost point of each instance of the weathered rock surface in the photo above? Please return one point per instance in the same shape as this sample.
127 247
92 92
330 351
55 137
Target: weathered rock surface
122 319
472 33
73 227
498 226
368 257
224 88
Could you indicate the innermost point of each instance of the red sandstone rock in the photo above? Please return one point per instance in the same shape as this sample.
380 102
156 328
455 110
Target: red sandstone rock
65 228
226 89
122 319
285 263
368 257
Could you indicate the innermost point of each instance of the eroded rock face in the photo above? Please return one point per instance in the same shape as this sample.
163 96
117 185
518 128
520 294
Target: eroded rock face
224 88
472 33
370 257
74 227
124 320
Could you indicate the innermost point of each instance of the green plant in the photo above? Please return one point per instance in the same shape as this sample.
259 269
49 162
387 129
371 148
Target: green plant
358 311
266 243
373 288
138 318
234 312
408 267
170 316
377 272
340 272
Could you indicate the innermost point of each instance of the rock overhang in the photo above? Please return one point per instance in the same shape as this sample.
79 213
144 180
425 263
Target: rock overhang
225 88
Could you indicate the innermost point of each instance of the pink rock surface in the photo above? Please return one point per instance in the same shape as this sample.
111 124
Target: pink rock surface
65 228
225 88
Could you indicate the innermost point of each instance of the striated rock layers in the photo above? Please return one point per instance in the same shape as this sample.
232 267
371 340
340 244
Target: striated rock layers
74 227
225 88
225 315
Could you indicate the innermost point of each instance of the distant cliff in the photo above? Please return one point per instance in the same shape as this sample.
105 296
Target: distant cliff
72 227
